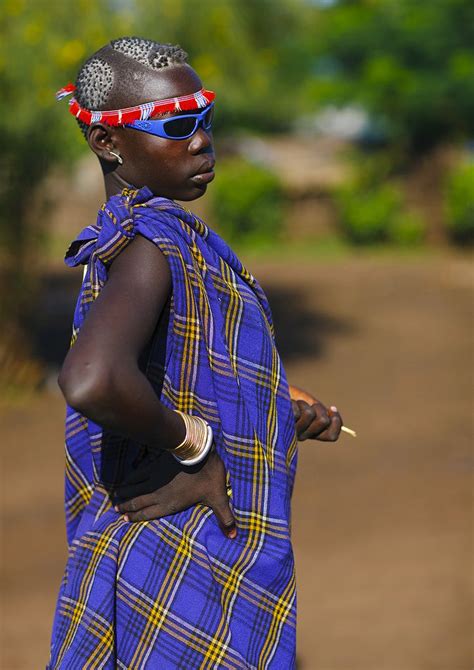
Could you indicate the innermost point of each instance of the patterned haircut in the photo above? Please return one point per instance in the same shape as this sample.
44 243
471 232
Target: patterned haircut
96 77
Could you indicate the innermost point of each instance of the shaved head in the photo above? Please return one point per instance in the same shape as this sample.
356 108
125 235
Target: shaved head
112 76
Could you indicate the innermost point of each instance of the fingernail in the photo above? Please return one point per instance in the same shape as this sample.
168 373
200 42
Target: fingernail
126 518
116 508
232 534
333 408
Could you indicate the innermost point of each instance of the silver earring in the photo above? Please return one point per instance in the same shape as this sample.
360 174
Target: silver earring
117 156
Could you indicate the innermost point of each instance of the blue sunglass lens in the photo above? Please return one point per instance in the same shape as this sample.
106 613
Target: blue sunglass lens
180 127
208 119
185 126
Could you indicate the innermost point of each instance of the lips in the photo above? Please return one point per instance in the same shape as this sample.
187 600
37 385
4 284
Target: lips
205 174
207 166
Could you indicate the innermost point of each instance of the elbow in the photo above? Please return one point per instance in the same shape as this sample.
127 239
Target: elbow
85 389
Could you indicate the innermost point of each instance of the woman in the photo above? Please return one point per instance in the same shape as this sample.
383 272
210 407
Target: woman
168 319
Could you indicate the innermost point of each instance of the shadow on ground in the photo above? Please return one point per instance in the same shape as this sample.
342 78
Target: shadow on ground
49 320
302 329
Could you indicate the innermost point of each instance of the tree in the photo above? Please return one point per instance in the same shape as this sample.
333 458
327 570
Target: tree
410 63
42 44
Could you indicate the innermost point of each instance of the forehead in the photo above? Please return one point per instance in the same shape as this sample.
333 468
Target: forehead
140 86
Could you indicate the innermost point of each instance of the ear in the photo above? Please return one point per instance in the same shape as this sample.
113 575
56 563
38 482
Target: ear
101 139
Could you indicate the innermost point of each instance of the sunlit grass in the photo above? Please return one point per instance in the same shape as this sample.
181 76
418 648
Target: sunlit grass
328 248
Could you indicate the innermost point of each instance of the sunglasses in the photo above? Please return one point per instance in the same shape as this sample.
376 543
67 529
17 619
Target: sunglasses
176 127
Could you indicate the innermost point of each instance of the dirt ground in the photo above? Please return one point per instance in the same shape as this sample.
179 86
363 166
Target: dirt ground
381 523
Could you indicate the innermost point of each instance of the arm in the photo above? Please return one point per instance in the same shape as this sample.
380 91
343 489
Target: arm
101 379
298 394
100 376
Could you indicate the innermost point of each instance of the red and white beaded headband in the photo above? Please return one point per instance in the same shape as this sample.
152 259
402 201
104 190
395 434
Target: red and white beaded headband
118 117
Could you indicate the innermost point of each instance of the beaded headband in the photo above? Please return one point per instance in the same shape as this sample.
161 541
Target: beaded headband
118 117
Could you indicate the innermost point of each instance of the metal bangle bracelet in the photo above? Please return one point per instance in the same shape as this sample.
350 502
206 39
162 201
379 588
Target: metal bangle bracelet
204 452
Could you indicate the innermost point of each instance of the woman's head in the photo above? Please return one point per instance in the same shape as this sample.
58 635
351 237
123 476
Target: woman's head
134 71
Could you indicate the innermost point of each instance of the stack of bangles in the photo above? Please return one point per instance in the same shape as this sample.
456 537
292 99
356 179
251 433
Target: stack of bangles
197 442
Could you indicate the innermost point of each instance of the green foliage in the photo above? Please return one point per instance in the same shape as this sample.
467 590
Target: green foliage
460 203
257 54
247 202
367 214
410 63
42 45
407 229
371 207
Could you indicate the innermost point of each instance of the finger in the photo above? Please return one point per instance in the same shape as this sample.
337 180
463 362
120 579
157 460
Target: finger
316 428
138 481
307 416
319 424
138 503
296 410
149 513
334 430
221 507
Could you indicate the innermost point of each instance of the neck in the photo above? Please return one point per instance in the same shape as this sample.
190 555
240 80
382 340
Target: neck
114 184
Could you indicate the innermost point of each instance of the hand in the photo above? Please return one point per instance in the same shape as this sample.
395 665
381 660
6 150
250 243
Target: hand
314 421
204 484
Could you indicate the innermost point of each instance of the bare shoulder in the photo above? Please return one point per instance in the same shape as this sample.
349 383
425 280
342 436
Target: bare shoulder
141 263
123 317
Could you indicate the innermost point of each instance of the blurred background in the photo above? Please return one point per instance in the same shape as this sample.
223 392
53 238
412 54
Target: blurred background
345 180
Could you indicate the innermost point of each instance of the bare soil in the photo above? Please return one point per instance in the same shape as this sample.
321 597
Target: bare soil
382 524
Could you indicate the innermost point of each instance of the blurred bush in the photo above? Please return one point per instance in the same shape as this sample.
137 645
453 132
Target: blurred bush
247 202
366 214
371 207
460 203
41 45
407 229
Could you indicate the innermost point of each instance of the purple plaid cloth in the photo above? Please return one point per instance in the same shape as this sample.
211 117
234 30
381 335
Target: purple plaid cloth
175 592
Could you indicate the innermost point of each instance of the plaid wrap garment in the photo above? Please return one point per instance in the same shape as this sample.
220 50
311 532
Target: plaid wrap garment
175 592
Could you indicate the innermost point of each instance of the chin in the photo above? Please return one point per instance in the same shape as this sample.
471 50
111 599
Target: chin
197 192
182 194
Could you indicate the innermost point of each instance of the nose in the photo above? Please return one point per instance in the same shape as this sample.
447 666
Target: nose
202 139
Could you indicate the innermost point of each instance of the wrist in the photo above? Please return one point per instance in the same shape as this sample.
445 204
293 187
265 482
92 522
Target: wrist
197 442
297 393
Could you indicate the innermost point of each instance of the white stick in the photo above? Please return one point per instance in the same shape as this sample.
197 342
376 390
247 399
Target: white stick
349 431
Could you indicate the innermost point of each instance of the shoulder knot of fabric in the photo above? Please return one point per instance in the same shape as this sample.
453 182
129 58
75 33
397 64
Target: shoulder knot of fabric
113 230
134 212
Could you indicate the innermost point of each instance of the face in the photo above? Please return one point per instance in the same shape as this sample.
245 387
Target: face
176 169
